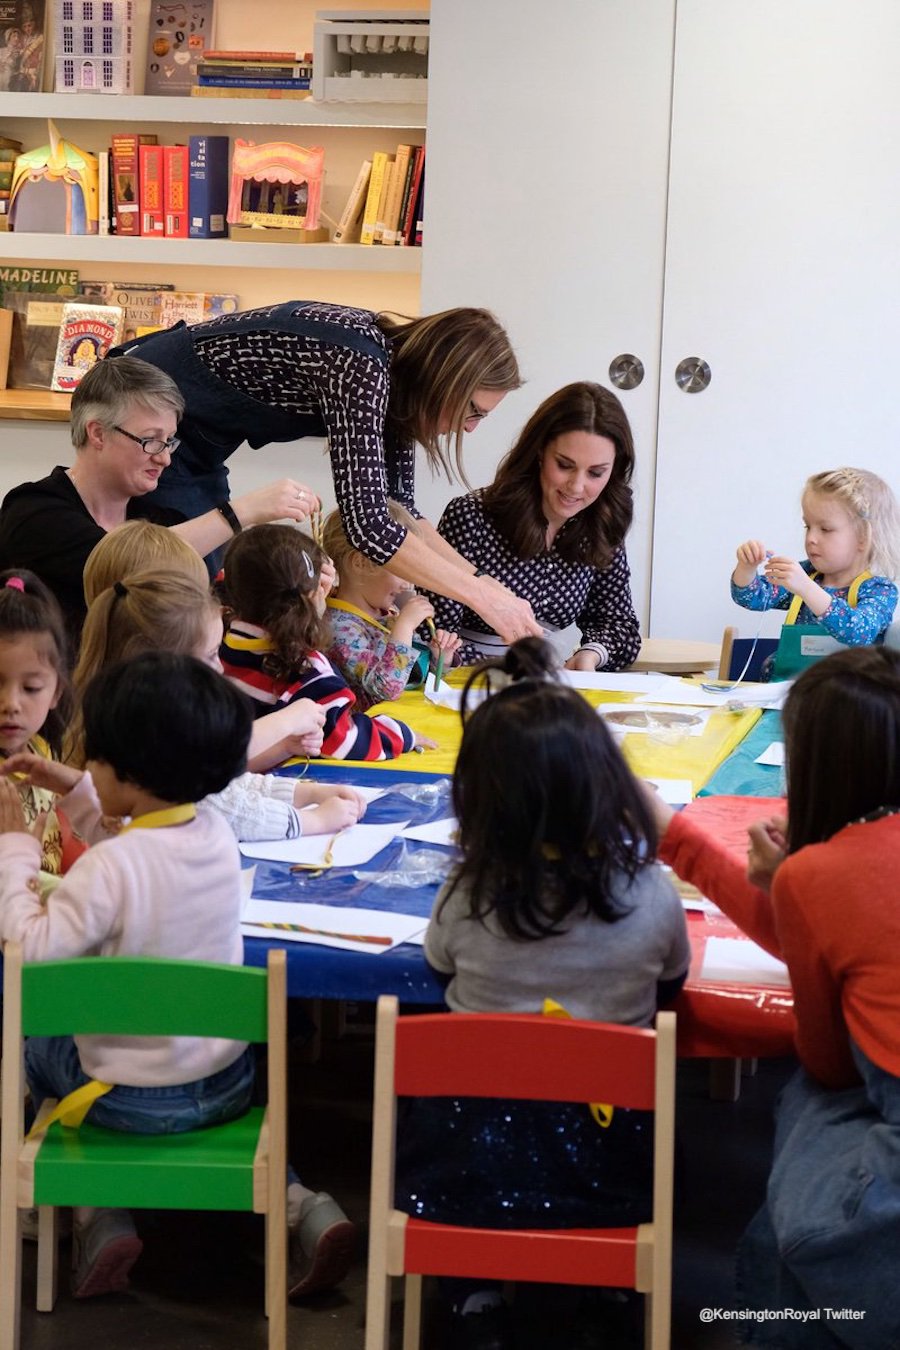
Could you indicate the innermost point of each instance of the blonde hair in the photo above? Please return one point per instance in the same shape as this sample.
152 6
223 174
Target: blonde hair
437 364
139 546
872 506
153 610
338 546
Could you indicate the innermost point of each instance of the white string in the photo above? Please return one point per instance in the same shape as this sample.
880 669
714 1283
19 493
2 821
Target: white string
731 686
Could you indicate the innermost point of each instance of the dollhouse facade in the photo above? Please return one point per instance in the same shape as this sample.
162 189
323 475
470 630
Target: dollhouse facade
94 46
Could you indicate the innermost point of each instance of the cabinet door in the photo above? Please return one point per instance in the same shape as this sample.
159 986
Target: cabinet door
783 274
548 135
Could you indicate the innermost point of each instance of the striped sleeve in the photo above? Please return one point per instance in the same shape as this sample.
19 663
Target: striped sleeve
350 734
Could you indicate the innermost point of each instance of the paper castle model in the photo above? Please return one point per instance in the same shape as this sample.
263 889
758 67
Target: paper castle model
54 189
276 184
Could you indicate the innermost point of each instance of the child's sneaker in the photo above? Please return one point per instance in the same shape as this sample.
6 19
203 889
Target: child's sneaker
103 1252
322 1243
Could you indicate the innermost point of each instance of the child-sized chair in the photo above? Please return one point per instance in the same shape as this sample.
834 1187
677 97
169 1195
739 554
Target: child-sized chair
533 1058
736 652
241 1165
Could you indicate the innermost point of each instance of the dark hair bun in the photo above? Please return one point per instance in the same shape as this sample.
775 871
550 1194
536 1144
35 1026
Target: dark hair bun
531 658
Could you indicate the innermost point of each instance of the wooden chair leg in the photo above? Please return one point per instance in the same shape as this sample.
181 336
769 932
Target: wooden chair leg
412 1312
10 1278
47 1257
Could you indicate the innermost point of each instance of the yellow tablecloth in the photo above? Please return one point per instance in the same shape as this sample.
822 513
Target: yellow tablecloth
663 756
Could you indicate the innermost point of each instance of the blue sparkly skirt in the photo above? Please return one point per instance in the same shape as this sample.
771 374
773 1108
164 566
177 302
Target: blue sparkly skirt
512 1164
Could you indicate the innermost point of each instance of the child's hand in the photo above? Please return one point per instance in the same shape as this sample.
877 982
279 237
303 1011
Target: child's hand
788 573
448 643
337 813
414 612
303 722
424 743
749 555
767 850
12 812
40 772
317 793
328 577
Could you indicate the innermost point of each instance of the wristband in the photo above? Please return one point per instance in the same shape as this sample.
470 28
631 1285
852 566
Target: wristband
226 510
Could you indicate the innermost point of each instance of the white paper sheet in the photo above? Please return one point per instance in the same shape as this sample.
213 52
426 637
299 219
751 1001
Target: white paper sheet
673 791
687 693
655 719
773 754
353 846
740 961
445 697
352 930
623 681
435 832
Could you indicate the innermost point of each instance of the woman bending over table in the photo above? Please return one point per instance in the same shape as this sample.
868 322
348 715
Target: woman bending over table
551 528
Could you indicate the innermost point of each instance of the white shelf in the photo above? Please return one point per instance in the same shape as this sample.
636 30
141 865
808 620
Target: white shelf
72 248
228 111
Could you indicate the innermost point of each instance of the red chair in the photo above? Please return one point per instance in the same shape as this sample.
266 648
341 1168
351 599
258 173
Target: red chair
533 1058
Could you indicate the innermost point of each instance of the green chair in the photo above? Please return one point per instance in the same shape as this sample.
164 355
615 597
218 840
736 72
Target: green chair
241 1165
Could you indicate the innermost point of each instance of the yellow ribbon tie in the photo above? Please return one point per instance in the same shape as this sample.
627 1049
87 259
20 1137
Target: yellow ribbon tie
601 1111
73 1108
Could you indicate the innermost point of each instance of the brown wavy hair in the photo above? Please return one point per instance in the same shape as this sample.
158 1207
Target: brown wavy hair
513 501
271 579
437 363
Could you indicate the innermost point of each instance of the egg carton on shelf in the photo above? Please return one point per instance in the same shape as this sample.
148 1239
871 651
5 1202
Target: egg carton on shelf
373 56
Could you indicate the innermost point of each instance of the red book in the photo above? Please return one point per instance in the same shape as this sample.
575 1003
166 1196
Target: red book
153 221
289 57
126 179
407 228
175 190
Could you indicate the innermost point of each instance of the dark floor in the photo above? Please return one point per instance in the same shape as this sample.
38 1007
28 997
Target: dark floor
198 1285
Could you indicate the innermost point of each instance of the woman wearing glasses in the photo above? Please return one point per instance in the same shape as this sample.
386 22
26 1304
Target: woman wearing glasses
373 385
551 527
123 421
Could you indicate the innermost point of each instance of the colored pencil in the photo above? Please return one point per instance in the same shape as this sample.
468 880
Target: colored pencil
375 941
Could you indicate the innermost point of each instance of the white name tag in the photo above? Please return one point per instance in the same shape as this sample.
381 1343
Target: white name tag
818 646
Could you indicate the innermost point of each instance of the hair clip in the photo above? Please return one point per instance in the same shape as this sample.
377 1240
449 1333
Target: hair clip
16 583
119 588
310 570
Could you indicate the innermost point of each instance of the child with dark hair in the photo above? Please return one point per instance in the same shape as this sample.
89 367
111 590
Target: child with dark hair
556 896
276 583
821 893
34 692
161 732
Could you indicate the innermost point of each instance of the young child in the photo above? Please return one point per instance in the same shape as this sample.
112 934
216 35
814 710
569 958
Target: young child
138 545
33 693
167 885
852 525
276 583
170 612
822 895
374 616
557 896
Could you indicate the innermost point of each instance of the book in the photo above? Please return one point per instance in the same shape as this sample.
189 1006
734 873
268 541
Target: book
153 223
193 307
37 316
22 46
389 172
373 197
126 178
264 82
179 34
350 223
235 70
49 280
139 302
241 55
85 336
217 91
103 222
9 148
408 188
175 191
408 234
416 239
208 184
394 196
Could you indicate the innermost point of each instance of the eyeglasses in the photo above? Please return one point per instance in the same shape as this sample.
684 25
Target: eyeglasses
151 445
475 414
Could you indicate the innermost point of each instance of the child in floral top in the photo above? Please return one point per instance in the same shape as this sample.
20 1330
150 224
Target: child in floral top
374 616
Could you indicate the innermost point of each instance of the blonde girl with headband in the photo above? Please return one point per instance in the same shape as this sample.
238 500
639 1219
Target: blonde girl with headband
276 583
157 610
374 616
844 592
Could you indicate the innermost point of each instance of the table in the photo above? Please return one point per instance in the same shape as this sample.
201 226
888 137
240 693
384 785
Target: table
677 656
715 1020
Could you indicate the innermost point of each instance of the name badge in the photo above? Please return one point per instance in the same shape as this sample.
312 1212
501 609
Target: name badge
818 646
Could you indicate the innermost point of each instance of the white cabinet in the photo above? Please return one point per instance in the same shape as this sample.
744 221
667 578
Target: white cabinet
709 179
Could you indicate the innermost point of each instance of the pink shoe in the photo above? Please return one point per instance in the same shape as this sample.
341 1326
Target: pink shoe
103 1252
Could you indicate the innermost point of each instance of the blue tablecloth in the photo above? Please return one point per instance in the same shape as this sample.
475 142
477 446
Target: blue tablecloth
740 775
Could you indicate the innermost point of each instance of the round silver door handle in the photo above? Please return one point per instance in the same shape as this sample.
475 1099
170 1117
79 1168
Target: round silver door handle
692 375
626 371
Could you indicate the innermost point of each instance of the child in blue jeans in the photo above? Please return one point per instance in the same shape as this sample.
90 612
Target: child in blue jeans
161 732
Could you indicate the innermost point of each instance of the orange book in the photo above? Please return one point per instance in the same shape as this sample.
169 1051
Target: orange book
126 179
153 221
176 169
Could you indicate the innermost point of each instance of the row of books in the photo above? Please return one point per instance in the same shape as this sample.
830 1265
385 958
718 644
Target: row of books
58 333
9 149
232 71
171 191
385 203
